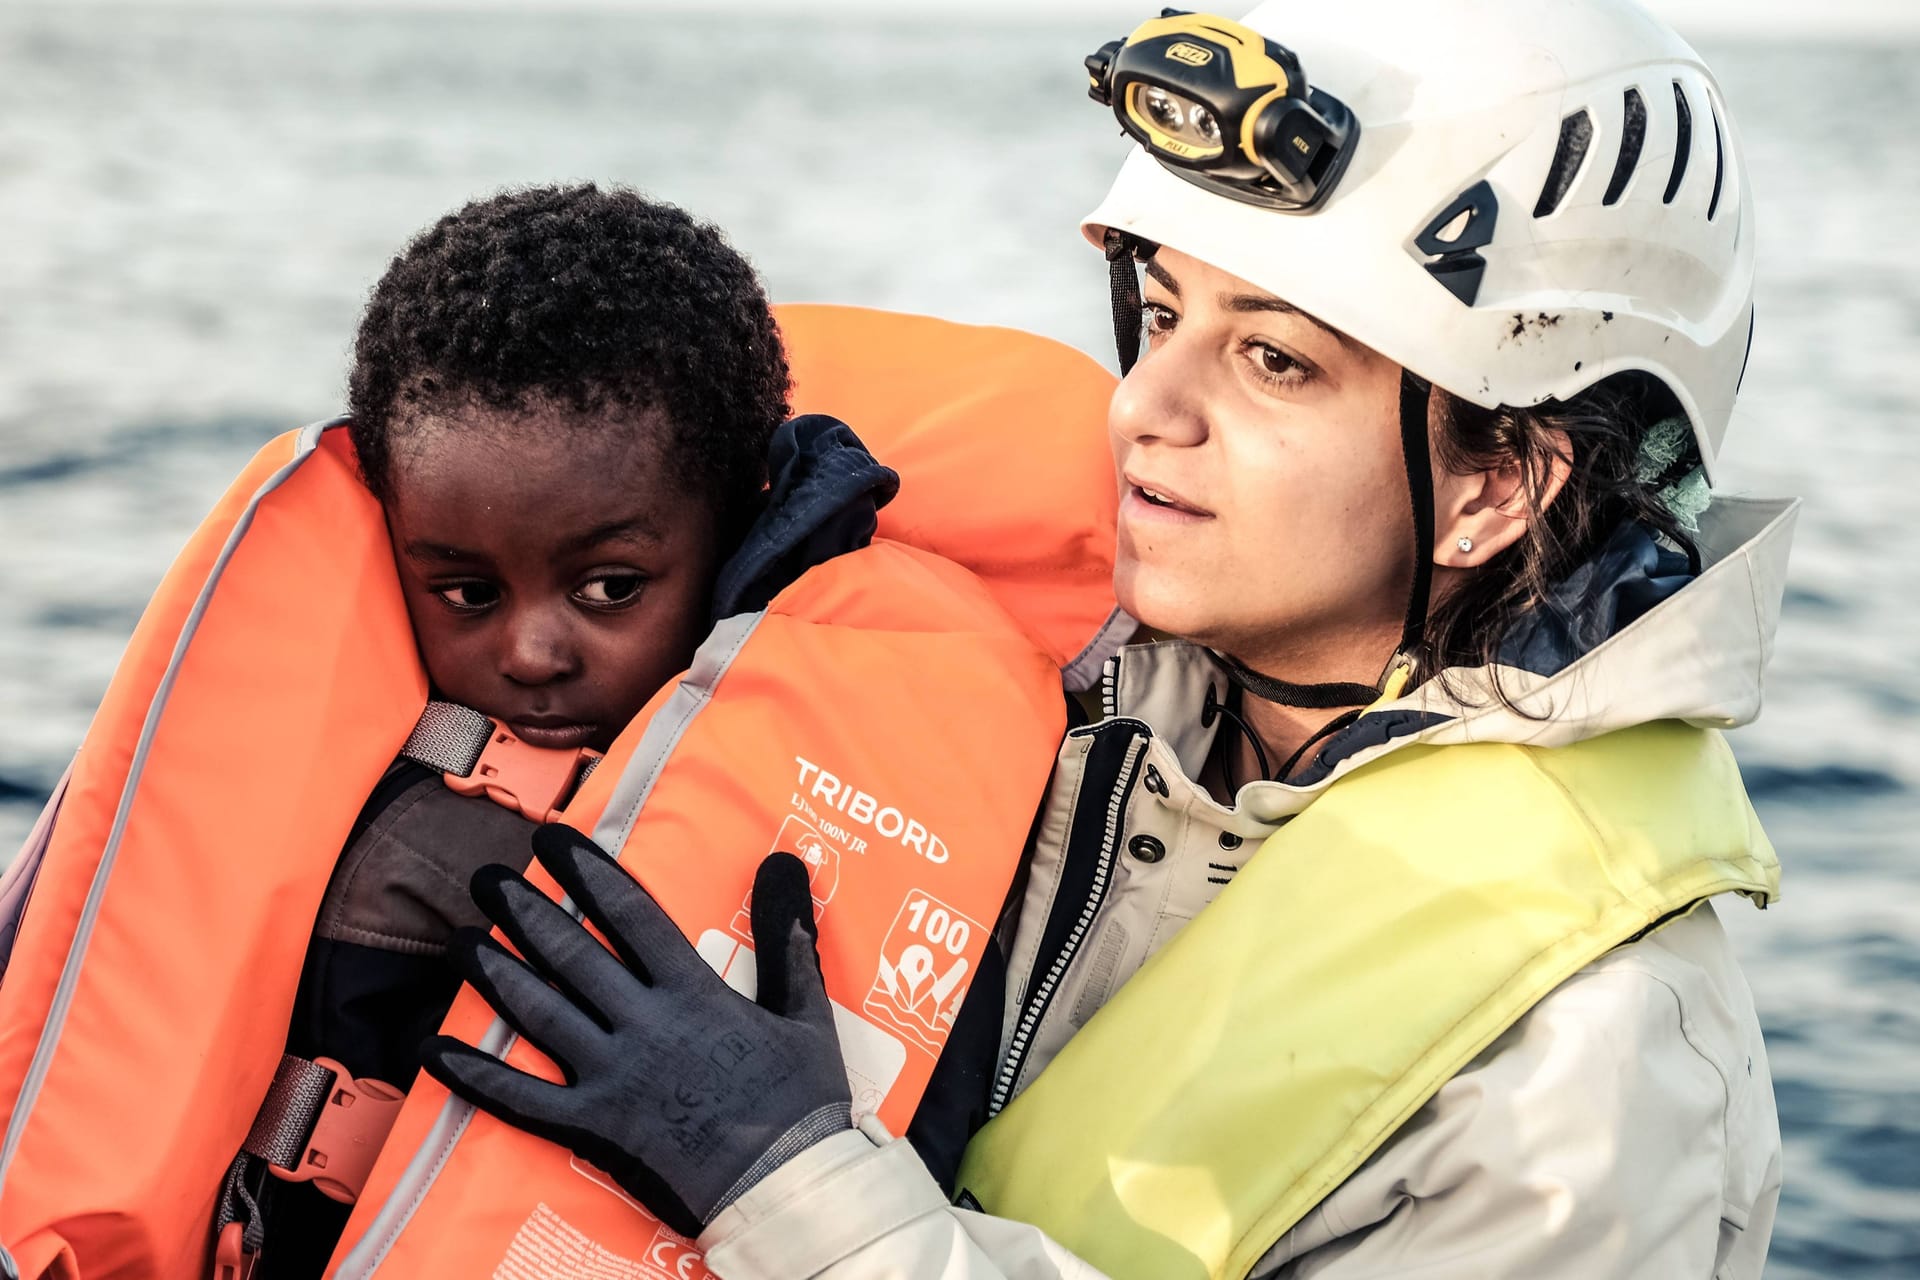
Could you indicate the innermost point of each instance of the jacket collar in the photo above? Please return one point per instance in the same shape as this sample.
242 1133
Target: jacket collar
1647 644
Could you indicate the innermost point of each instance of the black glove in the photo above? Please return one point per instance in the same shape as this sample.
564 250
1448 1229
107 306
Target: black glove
680 1088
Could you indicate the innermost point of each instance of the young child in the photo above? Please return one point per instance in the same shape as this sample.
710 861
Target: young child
570 406
563 399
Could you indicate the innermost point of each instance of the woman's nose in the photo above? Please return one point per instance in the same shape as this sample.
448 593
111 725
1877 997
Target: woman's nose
1159 399
537 648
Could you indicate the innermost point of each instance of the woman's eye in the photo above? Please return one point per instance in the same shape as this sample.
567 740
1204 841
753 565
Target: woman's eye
469 595
612 589
1275 365
1157 319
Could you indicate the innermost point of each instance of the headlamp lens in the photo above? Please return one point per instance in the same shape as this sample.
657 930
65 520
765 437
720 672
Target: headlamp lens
1205 127
1164 109
1173 123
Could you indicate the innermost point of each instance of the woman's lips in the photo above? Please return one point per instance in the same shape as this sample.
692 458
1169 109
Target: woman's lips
554 734
1146 503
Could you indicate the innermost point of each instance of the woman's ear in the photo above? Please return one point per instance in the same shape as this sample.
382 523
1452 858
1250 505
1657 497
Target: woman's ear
1479 514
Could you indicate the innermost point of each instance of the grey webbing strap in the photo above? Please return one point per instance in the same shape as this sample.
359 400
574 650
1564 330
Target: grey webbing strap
238 1204
286 1117
448 739
280 1133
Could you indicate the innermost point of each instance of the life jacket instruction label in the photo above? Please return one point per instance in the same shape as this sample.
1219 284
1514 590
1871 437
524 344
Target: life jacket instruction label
548 1247
923 970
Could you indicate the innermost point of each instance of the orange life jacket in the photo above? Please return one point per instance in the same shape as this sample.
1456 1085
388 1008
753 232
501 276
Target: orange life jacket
895 711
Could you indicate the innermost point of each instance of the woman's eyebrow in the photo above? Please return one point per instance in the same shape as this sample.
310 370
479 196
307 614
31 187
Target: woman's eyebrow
1163 277
1246 302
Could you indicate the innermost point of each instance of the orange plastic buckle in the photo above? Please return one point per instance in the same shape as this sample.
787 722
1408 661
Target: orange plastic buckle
231 1261
532 781
352 1127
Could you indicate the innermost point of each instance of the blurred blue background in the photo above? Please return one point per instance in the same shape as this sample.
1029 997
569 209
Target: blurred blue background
193 203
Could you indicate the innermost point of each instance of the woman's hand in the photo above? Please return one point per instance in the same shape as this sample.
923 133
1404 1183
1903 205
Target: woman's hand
681 1089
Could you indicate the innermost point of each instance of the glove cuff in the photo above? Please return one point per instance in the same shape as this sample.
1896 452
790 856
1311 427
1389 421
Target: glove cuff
813 1127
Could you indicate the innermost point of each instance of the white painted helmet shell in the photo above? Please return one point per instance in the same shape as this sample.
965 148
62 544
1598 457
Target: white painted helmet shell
1449 93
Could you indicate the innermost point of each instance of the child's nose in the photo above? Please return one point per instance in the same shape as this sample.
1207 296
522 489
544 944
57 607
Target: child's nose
537 648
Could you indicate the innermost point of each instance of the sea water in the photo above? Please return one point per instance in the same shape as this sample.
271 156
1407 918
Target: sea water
193 203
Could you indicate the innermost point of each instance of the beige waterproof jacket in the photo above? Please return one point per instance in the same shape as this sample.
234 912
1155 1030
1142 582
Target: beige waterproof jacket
1625 1127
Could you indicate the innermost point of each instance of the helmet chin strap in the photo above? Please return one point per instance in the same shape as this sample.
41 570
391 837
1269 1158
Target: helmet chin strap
1123 281
1122 252
1409 656
1416 395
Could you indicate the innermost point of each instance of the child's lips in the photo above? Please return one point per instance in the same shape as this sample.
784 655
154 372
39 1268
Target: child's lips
554 734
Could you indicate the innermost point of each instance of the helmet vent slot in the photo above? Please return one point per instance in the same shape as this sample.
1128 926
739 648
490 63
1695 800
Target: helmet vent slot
1633 136
1576 134
1450 233
1682 143
1719 163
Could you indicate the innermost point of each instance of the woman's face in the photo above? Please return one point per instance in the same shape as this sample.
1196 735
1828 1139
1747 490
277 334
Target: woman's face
1264 507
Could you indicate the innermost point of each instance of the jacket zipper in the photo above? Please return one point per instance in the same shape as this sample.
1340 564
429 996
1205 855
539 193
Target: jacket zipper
1085 840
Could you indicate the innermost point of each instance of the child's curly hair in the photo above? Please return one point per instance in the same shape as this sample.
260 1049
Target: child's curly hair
601 301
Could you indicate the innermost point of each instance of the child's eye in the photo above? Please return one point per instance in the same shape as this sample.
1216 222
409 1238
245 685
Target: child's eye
470 597
611 590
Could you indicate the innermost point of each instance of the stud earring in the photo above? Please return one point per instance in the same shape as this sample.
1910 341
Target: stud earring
1465 544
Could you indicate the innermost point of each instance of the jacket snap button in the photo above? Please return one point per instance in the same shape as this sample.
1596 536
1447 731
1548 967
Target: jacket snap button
1146 848
1228 840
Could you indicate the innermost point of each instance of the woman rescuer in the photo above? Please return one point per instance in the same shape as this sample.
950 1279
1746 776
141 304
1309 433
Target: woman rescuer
1371 932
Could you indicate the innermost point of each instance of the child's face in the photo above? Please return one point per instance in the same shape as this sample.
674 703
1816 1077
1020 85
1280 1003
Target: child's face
556 575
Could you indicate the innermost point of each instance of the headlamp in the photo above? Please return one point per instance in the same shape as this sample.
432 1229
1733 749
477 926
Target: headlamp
1225 108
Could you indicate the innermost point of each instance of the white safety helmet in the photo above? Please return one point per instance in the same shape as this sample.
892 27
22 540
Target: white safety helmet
1539 194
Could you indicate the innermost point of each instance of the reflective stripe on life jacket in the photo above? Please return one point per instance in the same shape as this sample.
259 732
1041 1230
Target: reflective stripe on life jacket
1360 960
885 717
